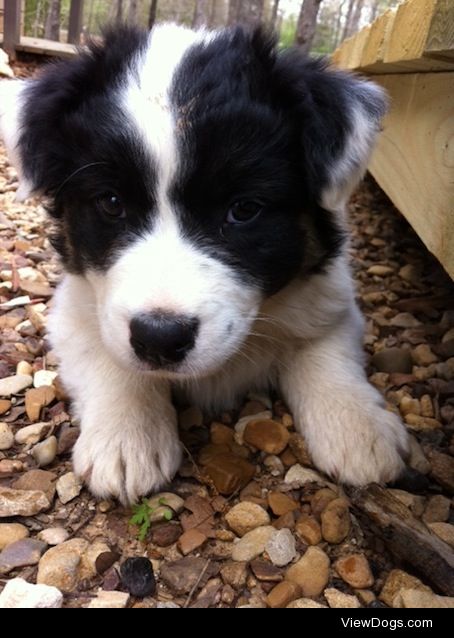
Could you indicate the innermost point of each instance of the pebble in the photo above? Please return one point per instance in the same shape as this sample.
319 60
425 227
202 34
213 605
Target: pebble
6 437
22 553
308 530
19 503
405 320
274 465
234 574
44 378
252 544
182 575
445 531
423 355
8 467
305 603
240 426
283 594
266 435
311 572
245 517
299 476
411 273
137 577
54 536
168 605
320 500
397 582
109 600
442 469
338 600
355 571
281 548
68 487
23 367
5 406
45 452
393 360
36 399
67 440
191 540
221 434
265 571
421 423
31 434
281 504
417 459
230 473
39 480
377 270
18 594
415 599
298 446
438 509
336 521
14 385
166 535
11 533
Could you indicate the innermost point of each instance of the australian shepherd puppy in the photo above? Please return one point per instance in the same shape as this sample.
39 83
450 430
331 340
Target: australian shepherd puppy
198 183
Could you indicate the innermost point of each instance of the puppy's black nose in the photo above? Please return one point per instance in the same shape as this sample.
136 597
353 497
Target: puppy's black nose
162 339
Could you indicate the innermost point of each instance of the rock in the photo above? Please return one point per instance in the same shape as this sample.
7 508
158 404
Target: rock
109 600
311 572
305 603
191 540
412 501
8 467
283 594
44 378
355 571
266 435
45 452
166 535
221 434
380 271
190 418
405 320
202 516
252 544
24 552
298 446
11 533
230 473
281 504
427 408
19 503
286 521
6 437
336 521
299 476
182 575
68 487
245 517
137 577
5 406
437 510
417 459
416 599
14 385
169 605
31 434
393 360
308 530
18 594
442 469
408 405
265 571
397 582
240 426
281 548
67 440
54 535
338 600
410 273
445 531
274 465
421 423
234 574
36 399
253 493
423 355
39 480
320 500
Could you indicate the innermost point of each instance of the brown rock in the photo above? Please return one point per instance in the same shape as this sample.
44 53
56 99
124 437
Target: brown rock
36 399
445 531
252 544
246 516
281 504
338 600
288 458
397 582
414 599
355 571
230 473
209 453
266 435
265 571
8 467
437 510
421 423
308 530
166 535
286 521
67 440
423 355
320 500
393 360
442 469
336 521
283 594
201 517
311 572
10 533
182 575
22 553
221 434
305 603
20 503
298 446
5 405
38 480
234 574
190 541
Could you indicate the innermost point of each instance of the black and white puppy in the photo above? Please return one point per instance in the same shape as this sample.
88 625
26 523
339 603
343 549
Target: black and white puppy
198 182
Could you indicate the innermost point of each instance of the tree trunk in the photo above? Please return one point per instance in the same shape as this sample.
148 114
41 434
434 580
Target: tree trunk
153 13
307 24
274 11
133 11
354 25
349 19
119 12
201 14
52 30
37 20
251 12
218 13
234 12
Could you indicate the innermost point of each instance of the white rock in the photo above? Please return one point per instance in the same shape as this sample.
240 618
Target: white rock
300 475
68 487
338 600
14 385
45 452
53 536
44 377
281 548
31 434
23 367
252 544
18 594
416 599
6 437
109 600
240 426
167 606
274 465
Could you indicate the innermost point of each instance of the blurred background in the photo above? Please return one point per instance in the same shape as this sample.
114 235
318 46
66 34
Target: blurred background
317 26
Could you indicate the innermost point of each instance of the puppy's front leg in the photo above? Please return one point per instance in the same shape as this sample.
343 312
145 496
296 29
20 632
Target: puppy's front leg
350 434
129 444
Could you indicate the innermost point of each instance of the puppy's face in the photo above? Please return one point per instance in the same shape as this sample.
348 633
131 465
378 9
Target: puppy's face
190 176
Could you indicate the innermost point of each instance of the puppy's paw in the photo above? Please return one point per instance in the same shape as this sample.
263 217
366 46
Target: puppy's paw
365 446
128 463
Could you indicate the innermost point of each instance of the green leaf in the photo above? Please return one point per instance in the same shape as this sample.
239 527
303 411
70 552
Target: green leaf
168 515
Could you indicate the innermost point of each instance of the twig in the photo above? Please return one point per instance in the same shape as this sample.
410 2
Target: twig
196 584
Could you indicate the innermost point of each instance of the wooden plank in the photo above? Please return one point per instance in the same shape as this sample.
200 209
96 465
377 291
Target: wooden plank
12 19
410 30
45 47
440 41
76 15
380 32
414 159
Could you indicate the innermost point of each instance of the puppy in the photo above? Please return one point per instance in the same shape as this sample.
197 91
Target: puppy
198 183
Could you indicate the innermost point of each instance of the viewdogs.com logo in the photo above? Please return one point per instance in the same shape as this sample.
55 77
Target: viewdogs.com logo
384 623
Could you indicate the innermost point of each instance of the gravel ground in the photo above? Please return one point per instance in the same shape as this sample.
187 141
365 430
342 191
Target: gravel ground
248 522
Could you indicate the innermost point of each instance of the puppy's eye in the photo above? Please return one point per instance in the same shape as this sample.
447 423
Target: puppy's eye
244 212
111 206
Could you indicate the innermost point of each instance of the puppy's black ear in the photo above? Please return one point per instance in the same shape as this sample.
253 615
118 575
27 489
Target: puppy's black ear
337 118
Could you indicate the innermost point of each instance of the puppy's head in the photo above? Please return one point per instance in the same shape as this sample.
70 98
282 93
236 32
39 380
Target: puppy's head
191 176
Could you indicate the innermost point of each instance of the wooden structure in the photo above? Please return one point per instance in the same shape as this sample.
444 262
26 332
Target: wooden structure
13 39
410 52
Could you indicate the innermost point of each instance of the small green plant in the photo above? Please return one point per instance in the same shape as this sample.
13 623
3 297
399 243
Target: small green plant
142 514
